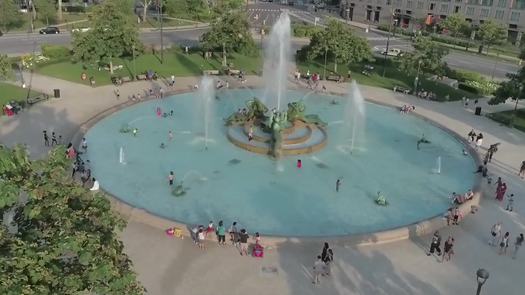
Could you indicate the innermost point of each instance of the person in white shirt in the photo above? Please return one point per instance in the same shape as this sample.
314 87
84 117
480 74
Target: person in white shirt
96 185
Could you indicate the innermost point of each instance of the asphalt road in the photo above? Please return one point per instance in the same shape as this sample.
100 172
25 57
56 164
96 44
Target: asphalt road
16 44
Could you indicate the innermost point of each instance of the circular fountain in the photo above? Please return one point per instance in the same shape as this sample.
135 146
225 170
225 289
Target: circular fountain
219 175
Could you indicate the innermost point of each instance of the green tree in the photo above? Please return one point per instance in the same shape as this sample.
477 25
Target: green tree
9 16
46 11
338 42
455 24
59 237
229 33
427 57
5 67
513 88
491 33
114 35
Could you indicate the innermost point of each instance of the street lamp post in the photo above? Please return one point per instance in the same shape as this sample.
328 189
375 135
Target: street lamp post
134 65
511 123
416 80
494 68
324 70
482 276
388 40
161 33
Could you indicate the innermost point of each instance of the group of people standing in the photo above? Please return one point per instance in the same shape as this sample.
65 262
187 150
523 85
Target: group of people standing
448 247
238 238
497 239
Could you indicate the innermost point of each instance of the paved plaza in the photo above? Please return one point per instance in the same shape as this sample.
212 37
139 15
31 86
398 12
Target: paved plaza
173 266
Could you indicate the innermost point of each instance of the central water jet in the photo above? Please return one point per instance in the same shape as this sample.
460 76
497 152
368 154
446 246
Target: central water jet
277 63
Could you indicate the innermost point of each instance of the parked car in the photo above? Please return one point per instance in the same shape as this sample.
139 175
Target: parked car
81 30
49 30
392 52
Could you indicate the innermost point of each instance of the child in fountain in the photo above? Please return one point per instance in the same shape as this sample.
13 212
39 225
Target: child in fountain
299 163
171 177
170 135
162 145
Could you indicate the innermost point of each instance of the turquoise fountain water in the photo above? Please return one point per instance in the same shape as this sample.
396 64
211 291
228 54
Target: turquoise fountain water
228 183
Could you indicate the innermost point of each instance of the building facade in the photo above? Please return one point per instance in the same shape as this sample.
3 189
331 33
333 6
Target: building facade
408 13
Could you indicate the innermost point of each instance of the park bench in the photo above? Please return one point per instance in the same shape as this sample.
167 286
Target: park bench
211 72
336 78
401 89
36 99
233 72
126 79
141 77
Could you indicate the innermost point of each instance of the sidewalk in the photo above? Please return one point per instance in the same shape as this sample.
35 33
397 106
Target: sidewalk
174 266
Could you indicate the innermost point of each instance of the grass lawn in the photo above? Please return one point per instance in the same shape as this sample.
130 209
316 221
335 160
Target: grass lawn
10 92
175 63
23 26
393 77
152 22
505 117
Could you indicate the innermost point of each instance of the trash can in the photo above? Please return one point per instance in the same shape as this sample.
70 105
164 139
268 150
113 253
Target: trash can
478 111
57 93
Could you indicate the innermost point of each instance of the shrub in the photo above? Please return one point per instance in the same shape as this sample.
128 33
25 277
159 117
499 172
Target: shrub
484 87
55 51
304 30
451 40
469 88
463 76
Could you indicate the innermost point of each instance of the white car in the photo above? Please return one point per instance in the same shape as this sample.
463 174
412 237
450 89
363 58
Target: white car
81 30
392 52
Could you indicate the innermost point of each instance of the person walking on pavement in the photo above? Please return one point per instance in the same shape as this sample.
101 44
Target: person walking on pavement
328 262
221 233
495 233
522 170
504 244
448 250
53 139
517 245
46 138
318 270
434 244
243 241
510 202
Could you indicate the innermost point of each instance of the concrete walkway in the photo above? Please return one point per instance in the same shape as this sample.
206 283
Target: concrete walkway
174 266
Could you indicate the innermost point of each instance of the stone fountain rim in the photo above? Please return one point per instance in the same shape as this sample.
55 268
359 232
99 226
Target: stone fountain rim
423 227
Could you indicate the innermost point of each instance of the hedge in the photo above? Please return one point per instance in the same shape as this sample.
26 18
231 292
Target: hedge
304 30
55 51
469 88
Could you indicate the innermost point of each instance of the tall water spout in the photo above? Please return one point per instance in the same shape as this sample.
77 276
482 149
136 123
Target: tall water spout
437 170
354 117
121 158
277 63
206 94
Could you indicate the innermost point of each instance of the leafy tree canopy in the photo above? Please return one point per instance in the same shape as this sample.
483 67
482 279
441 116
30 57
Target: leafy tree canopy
229 32
339 43
512 88
9 16
113 34
491 33
59 237
5 67
46 10
427 56
455 24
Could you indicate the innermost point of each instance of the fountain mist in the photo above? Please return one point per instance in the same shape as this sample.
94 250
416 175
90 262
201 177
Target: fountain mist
277 62
354 117
206 94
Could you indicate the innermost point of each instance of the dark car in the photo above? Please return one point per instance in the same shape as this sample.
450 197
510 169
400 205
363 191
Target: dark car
50 30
